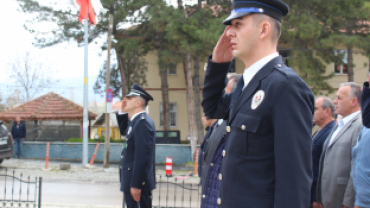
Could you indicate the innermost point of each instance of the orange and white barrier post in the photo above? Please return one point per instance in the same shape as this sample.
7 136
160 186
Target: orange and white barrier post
47 155
93 157
196 163
169 166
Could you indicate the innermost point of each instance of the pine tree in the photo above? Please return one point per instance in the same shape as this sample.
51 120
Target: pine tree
345 25
301 35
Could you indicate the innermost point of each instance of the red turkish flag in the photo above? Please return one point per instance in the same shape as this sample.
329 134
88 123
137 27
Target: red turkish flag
86 11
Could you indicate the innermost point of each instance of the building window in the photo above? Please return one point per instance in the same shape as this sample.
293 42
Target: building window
172 69
340 66
173 114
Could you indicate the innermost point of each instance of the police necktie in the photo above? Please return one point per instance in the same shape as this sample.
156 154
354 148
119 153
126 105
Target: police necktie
239 89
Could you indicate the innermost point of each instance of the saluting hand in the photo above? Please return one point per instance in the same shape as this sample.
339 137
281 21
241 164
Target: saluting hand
136 193
222 52
123 105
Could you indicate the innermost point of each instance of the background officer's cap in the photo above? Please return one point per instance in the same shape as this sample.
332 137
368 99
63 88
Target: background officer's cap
136 90
273 8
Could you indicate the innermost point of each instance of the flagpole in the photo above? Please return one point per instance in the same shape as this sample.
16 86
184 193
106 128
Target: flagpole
85 109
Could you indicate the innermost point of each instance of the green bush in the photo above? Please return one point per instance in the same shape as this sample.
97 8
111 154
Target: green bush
101 140
184 142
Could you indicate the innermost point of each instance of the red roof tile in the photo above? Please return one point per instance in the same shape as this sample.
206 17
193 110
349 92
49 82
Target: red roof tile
47 107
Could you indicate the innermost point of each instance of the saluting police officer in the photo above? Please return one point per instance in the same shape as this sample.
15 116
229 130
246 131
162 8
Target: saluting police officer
137 174
266 155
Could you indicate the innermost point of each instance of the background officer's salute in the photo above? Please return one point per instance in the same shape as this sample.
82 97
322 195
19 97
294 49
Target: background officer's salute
137 174
266 154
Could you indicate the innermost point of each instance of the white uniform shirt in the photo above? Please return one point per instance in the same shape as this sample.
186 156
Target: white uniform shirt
252 70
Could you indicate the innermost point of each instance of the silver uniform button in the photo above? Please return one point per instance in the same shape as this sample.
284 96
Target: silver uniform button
121 157
211 164
204 196
228 129
279 65
120 167
128 168
219 201
220 177
243 127
223 153
143 183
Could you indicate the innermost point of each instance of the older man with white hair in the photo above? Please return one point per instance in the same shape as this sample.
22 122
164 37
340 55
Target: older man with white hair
335 186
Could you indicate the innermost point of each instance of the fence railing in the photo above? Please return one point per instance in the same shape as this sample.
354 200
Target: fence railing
175 194
19 192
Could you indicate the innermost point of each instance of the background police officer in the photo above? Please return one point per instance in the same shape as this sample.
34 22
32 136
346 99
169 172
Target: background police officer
137 173
266 157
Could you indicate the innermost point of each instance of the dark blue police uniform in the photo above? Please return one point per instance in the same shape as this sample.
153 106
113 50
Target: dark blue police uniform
137 157
267 158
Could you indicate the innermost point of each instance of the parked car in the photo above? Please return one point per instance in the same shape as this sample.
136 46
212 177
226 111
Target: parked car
6 143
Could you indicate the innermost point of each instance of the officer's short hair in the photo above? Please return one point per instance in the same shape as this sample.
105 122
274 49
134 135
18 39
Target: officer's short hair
144 103
355 91
235 77
327 103
276 25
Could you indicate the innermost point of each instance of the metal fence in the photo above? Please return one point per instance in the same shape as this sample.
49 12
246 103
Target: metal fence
19 192
176 193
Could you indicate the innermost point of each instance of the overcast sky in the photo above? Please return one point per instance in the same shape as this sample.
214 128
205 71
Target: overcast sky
65 58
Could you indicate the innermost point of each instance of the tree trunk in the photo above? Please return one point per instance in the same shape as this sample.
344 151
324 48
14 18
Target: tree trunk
165 100
350 63
124 84
199 5
198 115
190 104
164 91
179 4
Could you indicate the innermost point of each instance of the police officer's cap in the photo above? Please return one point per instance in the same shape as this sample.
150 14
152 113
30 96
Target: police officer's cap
136 90
273 8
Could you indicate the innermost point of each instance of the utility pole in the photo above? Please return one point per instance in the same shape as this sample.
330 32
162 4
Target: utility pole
85 123
107 80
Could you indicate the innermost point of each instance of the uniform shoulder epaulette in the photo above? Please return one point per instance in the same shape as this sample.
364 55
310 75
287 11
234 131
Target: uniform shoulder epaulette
284 69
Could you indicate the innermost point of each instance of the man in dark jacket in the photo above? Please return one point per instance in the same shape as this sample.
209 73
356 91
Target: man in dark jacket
19 135
137 172
324 118
218 131
209 124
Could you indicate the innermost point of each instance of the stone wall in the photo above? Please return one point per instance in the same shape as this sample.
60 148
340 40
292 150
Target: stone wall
73 152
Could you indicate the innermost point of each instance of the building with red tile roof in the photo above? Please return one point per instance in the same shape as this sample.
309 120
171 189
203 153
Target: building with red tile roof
47 107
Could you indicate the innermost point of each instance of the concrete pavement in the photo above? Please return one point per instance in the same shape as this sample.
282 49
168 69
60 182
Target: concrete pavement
98 186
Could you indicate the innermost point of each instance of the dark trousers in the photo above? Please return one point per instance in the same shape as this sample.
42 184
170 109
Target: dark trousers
145 200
